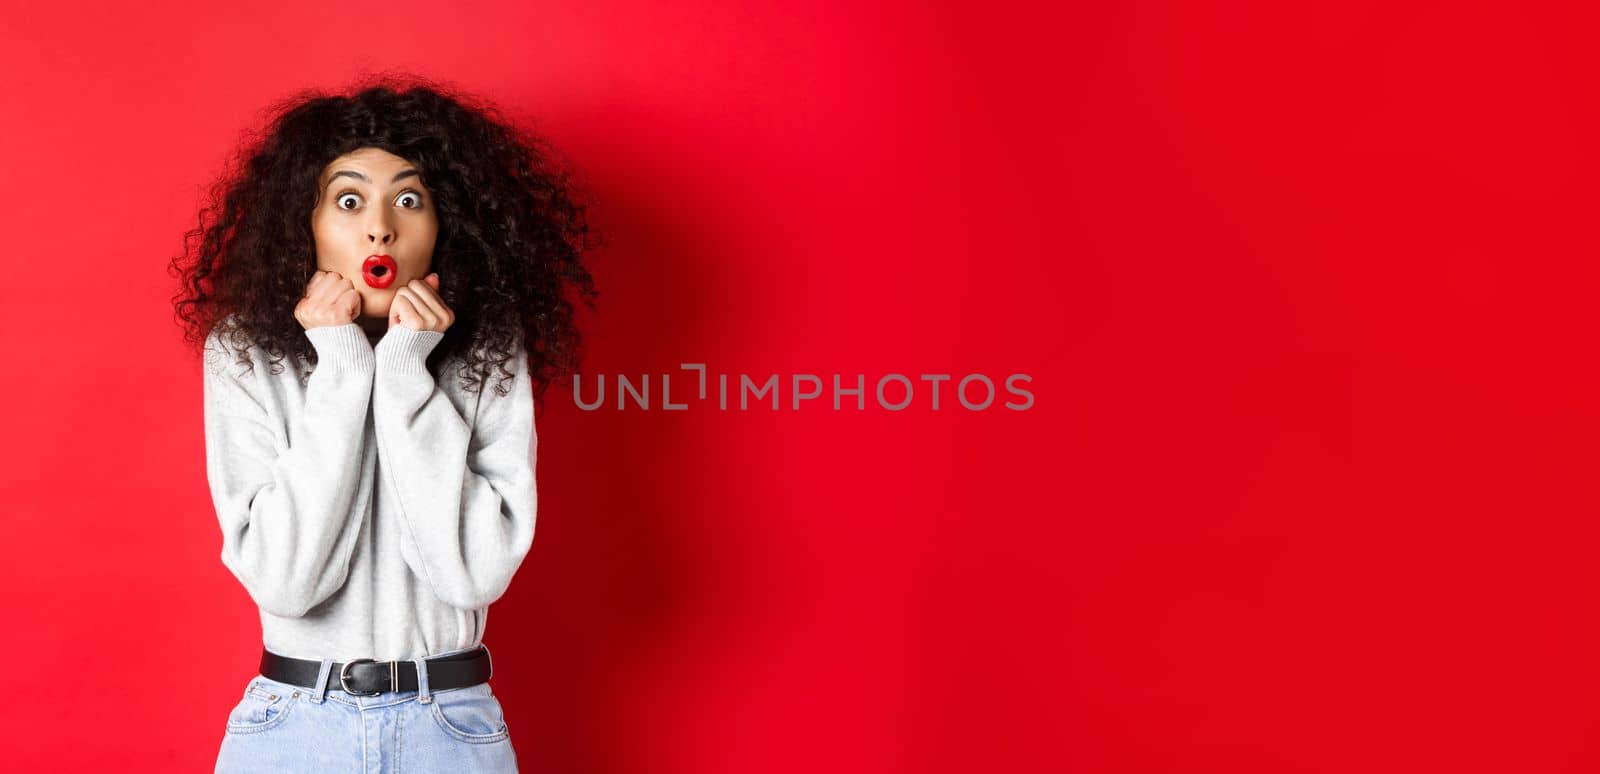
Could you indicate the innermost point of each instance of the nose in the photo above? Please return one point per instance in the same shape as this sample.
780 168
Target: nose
379 232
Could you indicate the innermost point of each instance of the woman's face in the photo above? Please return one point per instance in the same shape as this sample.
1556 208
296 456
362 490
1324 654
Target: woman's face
372 202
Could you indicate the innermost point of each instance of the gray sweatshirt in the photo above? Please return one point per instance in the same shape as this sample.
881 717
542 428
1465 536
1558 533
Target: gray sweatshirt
369 511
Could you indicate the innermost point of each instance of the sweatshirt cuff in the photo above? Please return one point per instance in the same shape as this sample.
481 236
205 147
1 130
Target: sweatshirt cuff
341 344
404 351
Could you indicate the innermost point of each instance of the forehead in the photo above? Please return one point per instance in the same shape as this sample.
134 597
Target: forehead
375 163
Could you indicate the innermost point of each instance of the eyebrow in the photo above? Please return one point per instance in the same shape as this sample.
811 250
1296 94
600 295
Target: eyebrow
365 179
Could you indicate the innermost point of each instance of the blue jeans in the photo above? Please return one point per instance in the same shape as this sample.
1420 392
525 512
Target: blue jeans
278 727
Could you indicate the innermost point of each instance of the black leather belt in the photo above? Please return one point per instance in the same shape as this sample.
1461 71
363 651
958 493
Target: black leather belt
366 677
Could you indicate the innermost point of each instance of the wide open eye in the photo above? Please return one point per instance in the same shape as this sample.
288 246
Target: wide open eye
415 197
347 195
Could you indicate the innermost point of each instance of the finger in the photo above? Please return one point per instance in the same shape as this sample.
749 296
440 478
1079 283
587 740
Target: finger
430 291
305 304
420 308
424 308
312 284
400 308
350 302
430 297
324 289
335 285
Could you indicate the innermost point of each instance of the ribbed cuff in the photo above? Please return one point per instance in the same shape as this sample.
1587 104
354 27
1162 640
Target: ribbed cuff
404 352
344 345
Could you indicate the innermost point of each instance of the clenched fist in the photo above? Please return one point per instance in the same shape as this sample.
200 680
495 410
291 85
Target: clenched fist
330 299
418 306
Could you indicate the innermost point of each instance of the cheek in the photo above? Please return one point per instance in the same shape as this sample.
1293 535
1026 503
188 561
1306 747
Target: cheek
427 238
332 240
322 231
416 266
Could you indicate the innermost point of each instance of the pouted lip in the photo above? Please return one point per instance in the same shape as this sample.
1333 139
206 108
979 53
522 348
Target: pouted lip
389 272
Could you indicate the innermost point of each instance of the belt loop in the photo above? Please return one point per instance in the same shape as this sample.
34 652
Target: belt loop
322 681
423 694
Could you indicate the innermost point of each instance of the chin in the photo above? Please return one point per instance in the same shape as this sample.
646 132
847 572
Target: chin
373 302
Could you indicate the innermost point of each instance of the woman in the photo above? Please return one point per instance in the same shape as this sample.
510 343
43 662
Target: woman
401 246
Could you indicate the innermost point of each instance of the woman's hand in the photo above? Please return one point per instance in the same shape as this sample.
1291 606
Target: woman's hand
330 299
419 307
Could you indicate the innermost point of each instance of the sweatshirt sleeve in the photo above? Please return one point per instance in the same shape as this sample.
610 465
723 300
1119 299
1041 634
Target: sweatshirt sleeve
465 488
290 512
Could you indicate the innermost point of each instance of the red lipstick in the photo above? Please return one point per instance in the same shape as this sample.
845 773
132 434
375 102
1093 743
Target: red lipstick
379 271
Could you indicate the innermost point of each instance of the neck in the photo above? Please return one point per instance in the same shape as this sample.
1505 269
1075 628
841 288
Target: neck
375 327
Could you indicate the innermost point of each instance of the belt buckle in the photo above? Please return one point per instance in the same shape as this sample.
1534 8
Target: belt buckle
344 674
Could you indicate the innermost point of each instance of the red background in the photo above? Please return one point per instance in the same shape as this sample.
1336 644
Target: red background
1305 295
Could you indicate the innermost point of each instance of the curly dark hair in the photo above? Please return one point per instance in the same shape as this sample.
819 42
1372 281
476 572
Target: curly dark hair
511 241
